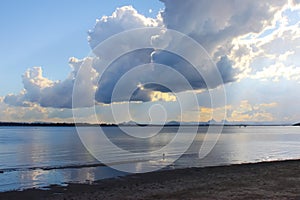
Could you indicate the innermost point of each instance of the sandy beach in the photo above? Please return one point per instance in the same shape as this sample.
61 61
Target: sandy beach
270 180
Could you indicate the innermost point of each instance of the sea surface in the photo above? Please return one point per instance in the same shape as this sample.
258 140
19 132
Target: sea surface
36 157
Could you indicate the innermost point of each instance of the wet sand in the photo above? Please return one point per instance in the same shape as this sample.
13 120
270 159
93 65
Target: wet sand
270 180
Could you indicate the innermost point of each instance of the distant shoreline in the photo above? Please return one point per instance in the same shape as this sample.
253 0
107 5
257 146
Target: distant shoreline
267 180
11 124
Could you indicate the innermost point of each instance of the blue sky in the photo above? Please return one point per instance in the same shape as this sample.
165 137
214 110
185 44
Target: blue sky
257 52
48 33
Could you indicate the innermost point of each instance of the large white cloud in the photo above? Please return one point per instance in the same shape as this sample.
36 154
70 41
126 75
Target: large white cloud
124 18
56 94
127 18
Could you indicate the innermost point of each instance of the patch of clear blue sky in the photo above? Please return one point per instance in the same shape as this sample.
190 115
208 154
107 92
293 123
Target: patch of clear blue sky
293 16
269 31
47 33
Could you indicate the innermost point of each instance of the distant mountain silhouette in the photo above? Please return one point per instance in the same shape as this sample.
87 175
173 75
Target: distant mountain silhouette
130 123
212 121
298 124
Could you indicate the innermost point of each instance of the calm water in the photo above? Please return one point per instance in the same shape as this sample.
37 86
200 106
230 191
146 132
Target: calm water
40 156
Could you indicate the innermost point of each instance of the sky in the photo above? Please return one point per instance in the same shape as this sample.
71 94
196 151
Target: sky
45 44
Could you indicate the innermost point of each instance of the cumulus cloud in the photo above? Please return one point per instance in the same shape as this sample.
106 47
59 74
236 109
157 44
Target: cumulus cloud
55 94
124 18
127 18
23 113
197 19
214 23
